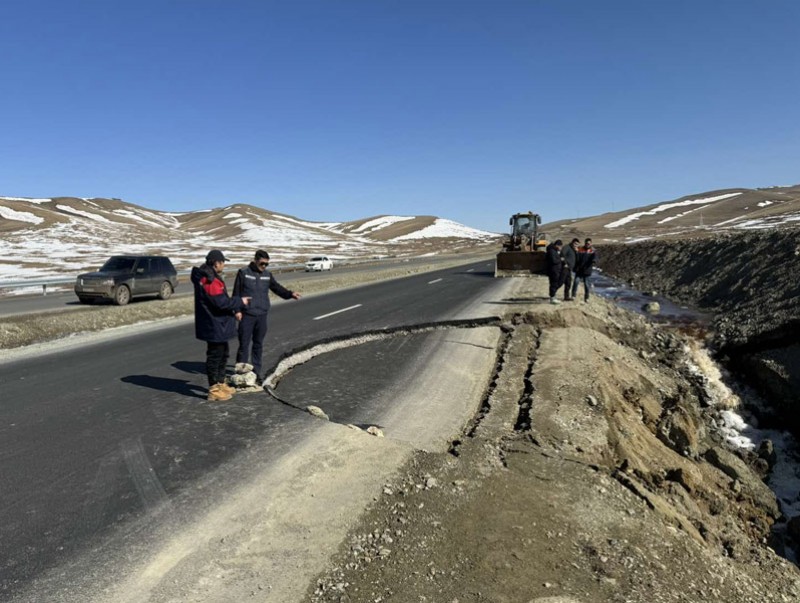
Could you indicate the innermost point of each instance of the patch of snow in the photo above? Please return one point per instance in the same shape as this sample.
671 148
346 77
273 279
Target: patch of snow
442 228
232 215
381 222
19 216
769 222
666 206
85 214
154 220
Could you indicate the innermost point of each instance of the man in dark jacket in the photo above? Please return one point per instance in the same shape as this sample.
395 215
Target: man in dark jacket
587 256
555 268
256 282
214 320
570 254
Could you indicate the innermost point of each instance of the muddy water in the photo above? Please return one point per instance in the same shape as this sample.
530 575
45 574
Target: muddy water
740 427
687 319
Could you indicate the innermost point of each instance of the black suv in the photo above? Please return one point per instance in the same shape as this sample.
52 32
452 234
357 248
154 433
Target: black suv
125 276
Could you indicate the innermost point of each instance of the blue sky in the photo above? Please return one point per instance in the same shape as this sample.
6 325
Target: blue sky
339 110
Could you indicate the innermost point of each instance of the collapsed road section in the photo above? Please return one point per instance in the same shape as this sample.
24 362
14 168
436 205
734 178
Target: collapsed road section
595 470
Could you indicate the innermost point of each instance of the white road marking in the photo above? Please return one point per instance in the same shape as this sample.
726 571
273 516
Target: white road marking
338 312
471 269
436 281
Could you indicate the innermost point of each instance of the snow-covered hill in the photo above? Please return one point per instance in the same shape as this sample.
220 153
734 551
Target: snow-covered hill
66 235
693 215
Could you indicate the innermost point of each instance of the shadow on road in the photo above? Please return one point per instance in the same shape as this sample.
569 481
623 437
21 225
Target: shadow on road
476 273
163 384
193 368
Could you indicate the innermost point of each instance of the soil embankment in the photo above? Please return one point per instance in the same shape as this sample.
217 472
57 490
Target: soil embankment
593 473
749 281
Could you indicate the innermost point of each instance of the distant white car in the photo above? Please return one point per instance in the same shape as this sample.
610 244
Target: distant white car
321 262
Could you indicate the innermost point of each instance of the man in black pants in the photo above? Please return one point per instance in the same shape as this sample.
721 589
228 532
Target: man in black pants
555 268
255 281
570 255
214 320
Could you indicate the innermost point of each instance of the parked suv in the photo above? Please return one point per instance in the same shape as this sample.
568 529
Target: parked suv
125 276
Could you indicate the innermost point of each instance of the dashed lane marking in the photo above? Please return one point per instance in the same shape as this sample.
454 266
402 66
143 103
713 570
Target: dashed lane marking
338 312
436 281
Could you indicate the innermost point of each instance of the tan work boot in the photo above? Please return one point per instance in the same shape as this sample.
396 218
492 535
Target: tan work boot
227 388
217 394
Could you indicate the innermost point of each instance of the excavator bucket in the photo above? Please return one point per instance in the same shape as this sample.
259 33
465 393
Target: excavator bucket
519 263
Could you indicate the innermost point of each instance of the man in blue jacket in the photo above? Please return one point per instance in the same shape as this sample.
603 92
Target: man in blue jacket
255 281
214 320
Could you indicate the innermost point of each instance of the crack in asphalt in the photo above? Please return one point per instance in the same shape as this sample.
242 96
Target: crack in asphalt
305 353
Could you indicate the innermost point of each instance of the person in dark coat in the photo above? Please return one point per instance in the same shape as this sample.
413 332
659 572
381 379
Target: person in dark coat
570 254
214 320
587 256
555 268
255 281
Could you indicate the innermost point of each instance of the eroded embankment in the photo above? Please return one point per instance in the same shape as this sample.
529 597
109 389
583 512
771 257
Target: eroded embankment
750 283
593 471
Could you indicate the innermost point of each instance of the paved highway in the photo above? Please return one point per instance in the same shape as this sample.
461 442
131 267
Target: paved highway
11 305
94 437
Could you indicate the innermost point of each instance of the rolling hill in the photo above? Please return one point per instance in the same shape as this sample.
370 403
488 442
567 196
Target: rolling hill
698 215
66 235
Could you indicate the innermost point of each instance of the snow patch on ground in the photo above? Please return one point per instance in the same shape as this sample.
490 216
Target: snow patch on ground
381 222
666 206
84 214
442 228
20 216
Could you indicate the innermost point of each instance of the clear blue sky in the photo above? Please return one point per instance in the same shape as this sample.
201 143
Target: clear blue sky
338 110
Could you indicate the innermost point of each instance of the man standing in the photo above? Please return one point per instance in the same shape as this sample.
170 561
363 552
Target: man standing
214 320
256 281
587 256
555 268
570 253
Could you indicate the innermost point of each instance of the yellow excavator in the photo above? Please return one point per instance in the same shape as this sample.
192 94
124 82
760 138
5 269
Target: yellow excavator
524 251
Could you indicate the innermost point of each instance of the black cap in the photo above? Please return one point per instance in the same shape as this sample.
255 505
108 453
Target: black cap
215 256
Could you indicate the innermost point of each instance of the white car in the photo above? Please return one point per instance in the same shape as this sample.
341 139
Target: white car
321 262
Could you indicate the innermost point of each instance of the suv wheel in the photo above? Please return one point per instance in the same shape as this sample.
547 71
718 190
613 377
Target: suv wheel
165 291
122 295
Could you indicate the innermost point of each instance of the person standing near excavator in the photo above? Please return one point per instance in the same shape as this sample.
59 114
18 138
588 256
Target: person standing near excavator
570 254
555 268
587 256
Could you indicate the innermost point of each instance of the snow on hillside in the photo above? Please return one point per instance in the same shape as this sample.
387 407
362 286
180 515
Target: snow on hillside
443 228
20 216
667 206
44 238
382 222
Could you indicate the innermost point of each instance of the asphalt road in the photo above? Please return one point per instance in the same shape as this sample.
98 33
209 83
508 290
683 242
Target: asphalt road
97 436
13 305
